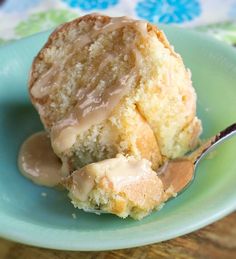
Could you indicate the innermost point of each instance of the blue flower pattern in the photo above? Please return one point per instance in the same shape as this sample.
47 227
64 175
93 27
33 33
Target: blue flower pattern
156 11
232 11
88 5
10 6
168 11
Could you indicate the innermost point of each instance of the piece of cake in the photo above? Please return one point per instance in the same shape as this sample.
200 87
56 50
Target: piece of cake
123 186
105 85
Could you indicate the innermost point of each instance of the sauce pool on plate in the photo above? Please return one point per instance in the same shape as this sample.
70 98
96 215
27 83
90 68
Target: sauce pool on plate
38 162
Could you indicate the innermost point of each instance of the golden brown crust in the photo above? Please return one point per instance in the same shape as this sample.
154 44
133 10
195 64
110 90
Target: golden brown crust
65 27
161 37
54 35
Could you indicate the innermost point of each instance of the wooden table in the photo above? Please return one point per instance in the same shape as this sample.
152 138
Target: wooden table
215 241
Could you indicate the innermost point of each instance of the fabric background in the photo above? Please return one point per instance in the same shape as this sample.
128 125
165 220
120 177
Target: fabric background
21 18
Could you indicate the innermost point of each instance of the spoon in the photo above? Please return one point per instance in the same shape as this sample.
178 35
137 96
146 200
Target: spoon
178 174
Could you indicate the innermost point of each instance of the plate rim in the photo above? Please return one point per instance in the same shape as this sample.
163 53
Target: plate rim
132 244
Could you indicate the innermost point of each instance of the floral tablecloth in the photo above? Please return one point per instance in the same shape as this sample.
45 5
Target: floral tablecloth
21 18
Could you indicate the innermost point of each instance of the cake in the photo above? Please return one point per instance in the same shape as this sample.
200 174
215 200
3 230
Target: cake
113 86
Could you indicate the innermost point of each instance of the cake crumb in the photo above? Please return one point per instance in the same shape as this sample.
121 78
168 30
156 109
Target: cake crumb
44 194
73 215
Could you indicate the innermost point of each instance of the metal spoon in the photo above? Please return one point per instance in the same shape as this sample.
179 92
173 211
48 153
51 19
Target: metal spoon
179 173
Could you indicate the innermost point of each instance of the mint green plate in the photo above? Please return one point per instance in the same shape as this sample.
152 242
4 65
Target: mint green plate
27 216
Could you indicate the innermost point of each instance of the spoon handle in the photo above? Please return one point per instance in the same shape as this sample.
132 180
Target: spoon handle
214 141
